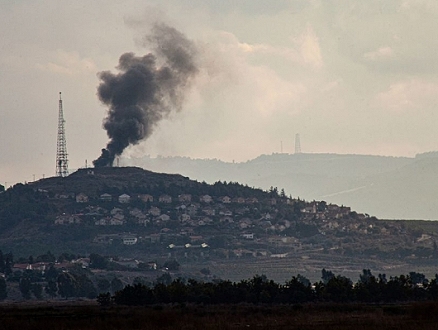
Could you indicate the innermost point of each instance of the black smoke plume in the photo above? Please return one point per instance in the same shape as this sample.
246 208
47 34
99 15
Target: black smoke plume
145 90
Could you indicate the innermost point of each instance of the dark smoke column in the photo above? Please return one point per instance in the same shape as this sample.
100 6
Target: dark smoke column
145 90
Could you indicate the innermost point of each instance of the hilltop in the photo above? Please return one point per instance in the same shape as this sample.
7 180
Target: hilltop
230 228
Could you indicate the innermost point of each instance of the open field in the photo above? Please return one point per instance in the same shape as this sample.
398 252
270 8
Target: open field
310 266
320 316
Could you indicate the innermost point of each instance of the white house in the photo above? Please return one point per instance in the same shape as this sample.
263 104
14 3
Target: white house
124 199
106 197
248 236
185 217
101 222
116 222
185 198
155 211
164 217
205 199
129 240
116 210
225 199
165 199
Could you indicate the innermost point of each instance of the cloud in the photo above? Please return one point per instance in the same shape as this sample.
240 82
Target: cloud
414 94
382 53
231 68
68 63
427 5
305 51
309 48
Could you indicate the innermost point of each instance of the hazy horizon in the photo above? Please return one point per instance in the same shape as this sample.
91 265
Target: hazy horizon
350 78
125 161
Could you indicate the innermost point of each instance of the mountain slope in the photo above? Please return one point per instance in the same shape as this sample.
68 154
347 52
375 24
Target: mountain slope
387 187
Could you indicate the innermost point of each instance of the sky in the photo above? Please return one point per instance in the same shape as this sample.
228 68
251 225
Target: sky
348 76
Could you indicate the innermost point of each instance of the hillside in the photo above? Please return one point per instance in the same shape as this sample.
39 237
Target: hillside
387 187
232 229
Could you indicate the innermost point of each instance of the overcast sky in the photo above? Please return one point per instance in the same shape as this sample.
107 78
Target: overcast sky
348 76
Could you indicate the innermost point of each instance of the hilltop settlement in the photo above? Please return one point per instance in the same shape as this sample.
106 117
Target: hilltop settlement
146 218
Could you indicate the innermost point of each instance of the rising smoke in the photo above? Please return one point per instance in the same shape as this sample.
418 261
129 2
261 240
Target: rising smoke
146 90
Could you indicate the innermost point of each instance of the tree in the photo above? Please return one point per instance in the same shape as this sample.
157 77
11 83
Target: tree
339 289
65 256
67 285
140 280
37 290
103 285
2 262
9 262
304 280
136 295
418 278
3 290
366 276
326 275
368 288
164 279
85 287
205 271
217 242
172 265
97 261
52 273
116 285
51 288
104 299
25 286
297 290
48 257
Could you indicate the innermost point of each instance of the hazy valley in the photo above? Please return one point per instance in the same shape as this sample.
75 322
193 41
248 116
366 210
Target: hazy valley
386 187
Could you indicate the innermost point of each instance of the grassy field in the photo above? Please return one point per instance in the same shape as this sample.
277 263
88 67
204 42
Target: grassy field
283 269
319 316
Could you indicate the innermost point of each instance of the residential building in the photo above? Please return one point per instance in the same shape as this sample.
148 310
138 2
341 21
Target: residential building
185 198
106 197
206 199
81 198
124 199
165 199
146 198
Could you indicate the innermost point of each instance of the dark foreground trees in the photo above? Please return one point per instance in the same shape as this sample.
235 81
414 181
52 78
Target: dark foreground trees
260 290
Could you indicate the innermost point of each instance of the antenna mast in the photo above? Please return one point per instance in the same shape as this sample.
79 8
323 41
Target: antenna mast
297 144
61 148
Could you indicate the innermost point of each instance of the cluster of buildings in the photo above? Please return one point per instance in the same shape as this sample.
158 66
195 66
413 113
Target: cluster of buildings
167 219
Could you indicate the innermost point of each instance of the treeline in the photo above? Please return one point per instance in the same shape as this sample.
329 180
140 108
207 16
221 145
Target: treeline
52 282
23 202
219 188
261 290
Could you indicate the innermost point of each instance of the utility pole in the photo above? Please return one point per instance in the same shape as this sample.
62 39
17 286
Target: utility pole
61 148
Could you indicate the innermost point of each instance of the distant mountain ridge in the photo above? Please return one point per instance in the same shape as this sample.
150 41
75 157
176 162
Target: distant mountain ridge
387 187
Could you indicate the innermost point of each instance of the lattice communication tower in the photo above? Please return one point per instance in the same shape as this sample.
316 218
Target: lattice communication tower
61 148
297 144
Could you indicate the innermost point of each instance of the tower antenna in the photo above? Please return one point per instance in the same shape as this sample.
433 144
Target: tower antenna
61 148
297 144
